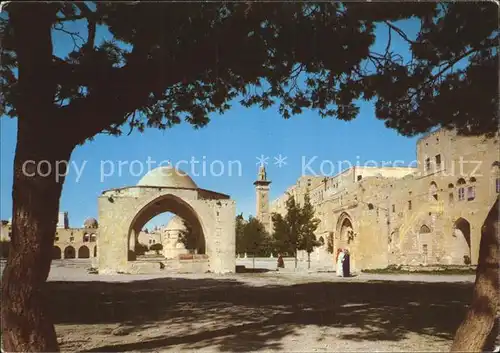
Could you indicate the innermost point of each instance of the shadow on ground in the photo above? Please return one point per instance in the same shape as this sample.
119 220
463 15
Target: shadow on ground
228 315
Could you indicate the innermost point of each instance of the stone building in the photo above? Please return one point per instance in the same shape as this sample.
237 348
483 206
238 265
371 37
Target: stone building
262 197
69 243
430 214
124 212
171 234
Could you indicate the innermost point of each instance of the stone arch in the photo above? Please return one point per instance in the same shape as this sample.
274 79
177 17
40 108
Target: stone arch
460 244
83 252
56 253
451 193
161 204
424 229
93 238
345 230
346 238
393 240
86 237
461 189
69 252
495 175
433 191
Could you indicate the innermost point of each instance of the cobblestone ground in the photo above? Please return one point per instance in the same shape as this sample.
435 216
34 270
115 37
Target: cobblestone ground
270 311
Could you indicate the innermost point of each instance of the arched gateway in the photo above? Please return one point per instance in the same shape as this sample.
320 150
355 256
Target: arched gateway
124 212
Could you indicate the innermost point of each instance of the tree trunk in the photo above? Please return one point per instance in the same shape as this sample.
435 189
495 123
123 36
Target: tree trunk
308 260
475 331
26 325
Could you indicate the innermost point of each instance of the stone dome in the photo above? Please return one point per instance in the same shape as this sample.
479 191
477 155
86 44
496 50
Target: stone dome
167 177
90 223
176 223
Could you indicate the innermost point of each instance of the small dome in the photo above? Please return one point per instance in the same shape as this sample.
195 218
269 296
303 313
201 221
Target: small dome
176 223
167 177
90 223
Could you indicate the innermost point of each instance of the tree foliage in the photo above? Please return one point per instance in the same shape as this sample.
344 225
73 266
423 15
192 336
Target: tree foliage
253 238
295 231
259 54
240 235
156 247
309 224
281 239
189 237
166 62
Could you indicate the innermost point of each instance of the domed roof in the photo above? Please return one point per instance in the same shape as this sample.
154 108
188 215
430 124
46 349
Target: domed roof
176 223
167 177
90 223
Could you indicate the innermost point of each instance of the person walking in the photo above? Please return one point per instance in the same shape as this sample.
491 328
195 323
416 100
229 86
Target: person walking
346 264
340 259
281 263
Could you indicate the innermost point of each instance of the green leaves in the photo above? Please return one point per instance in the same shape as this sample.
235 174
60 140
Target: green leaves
251 237
174 62
296 230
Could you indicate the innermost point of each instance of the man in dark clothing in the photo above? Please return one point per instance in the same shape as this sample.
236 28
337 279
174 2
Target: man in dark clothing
281 263
346 265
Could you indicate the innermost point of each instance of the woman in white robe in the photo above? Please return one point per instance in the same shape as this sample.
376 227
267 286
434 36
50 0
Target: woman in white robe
340 260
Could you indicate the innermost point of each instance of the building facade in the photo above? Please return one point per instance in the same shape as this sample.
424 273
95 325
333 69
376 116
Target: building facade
69 243
430 214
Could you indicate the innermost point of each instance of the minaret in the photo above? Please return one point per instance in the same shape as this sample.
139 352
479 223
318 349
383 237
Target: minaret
262 202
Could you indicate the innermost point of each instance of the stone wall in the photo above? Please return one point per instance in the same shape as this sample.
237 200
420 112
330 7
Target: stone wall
428 215
125 211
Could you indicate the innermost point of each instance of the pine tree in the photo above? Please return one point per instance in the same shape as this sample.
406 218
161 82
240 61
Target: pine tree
255 237
293 222
308 225
189 238
240 236
281 235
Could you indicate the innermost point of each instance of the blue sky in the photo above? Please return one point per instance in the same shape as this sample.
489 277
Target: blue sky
241 134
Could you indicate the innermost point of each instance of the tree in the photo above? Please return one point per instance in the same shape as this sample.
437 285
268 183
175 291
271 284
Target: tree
329 243
190 238
281 238
308 225
255 238
156 247
240 236
293 222
476 333
140 249
151 75
287 229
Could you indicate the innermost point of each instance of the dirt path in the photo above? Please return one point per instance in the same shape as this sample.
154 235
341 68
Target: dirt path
249 312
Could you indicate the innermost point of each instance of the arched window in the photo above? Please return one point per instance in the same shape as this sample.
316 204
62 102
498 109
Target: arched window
451 192
496 175
433 191
425 230
461 189
86 237
471 189
93 238
370 206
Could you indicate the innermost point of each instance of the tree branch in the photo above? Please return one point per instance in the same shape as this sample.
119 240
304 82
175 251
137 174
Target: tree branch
399 31
60 27
90 16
